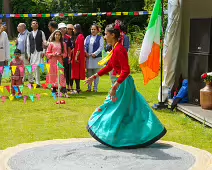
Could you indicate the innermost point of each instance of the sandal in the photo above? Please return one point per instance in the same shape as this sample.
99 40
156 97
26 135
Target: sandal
73 91
66 95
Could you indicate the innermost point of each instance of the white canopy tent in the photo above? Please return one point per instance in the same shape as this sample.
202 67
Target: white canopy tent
176 41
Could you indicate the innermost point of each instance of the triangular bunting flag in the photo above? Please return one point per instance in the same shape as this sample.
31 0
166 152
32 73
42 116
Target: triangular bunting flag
34 85
60 65
38 96
29 68
34 66
25 99
8 88
2 89
4 99
44 86
18 97
48 67
30 86
21 88
1 69
7 71
13 69
42 67
11 97
32 97
54 95
50 86
61 72
21 68
15 88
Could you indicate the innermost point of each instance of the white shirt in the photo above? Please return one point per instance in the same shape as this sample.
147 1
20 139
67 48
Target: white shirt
92 63
34 33
4 47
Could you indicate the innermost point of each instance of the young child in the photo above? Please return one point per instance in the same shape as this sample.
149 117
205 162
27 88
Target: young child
17 77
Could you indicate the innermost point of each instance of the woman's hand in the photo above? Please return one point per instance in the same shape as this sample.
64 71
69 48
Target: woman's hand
113 95
90 80
93 55
86 54
77 57
113 92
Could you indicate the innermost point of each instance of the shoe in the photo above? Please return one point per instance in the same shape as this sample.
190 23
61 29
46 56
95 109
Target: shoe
79 91
66 95
88 90
73 92
38 86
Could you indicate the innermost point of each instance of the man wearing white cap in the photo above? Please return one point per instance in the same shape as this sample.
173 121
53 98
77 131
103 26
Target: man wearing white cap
67 39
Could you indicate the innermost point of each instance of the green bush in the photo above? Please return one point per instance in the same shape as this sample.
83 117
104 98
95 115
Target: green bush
133 58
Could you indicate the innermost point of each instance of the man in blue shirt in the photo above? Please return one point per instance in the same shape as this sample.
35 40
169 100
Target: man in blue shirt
21 42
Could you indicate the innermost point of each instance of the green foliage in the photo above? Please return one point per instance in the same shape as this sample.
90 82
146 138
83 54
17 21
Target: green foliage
149 5
78 6
133 58
136 34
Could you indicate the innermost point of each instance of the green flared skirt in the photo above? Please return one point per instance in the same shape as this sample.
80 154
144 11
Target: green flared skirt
127 123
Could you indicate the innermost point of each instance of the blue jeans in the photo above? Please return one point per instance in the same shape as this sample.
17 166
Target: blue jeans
91 72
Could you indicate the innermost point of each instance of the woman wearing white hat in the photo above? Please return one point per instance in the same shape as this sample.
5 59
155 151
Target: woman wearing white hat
67 39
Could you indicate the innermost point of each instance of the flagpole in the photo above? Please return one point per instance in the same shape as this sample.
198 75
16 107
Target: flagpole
161 53
161 105
58 82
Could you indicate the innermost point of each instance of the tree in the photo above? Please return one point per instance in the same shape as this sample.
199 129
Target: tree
8 9
82 6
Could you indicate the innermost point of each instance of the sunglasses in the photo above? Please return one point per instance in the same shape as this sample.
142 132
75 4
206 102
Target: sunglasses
17 53
70 28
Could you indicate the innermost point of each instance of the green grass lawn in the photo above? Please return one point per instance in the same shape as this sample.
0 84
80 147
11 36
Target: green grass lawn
44 120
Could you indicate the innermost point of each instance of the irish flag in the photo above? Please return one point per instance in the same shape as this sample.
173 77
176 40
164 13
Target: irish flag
149 58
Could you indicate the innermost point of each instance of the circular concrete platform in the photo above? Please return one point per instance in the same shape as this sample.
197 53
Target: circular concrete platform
83 154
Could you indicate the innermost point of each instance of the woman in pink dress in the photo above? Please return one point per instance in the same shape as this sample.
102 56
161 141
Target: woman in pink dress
56 51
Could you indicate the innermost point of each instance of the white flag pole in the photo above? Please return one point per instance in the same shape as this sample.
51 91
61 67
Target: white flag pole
58 82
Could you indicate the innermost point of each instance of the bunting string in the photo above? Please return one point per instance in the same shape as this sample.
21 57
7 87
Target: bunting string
8 71
109 14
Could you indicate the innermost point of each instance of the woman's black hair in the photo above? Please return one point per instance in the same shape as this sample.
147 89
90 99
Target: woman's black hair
94 25
111 29
77 27
53 24
34 20
61 39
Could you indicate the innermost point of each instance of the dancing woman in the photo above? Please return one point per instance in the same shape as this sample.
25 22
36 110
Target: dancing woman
125 120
